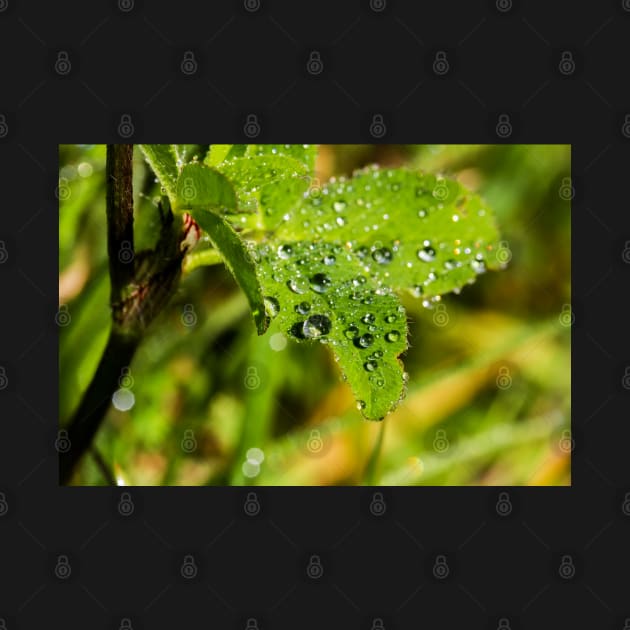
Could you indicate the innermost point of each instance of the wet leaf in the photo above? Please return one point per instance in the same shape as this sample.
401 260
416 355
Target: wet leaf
163 160
201 187
237 259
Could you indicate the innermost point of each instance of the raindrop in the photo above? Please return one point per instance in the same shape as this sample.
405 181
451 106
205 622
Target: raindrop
368 318
297 285
339 206
285 251
351 332
340 221
450 264
426 253
377 354
390 318
329 259
272 306
359 280
303 308
382 255
392 336
364 341
360 404
320 283
316 326
422 213
363 251
370 366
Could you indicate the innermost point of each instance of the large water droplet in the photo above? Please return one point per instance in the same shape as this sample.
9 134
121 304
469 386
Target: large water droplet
426 253
382 255
370 366
320 283
364 341
298 285
392 336
303 308
272 306
316 326
285 251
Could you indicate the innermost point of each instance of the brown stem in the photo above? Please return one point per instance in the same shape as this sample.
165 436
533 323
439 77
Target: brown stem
141 285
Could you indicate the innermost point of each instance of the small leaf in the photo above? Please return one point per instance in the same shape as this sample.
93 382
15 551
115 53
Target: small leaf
237 259
411 230
163 160
217 153
250 176
319 293
303 153
199 186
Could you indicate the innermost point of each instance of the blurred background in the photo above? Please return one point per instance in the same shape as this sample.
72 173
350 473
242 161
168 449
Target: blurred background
208 402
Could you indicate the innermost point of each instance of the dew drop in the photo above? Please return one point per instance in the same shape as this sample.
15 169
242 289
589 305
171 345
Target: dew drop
272 306
298 285
360 404
382 255
316 326
426 253
329 260
422 213
450 264
320 283
359 280
370 366
303 308
340 221
364 341
351 332
339 206
368 318
377 354
392 336
390 318
285 251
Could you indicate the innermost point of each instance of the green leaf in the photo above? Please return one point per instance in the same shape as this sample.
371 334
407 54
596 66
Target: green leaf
410 230
187 152
303 153
338 252
163 160
201 187
217 153
319 291
237 259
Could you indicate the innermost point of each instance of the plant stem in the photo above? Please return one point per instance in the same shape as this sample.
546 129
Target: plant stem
141 285
370 469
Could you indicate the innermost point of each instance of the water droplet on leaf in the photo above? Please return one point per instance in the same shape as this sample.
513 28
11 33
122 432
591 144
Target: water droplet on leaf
426 253
320 283
303 308
364 341
316 326
392 336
